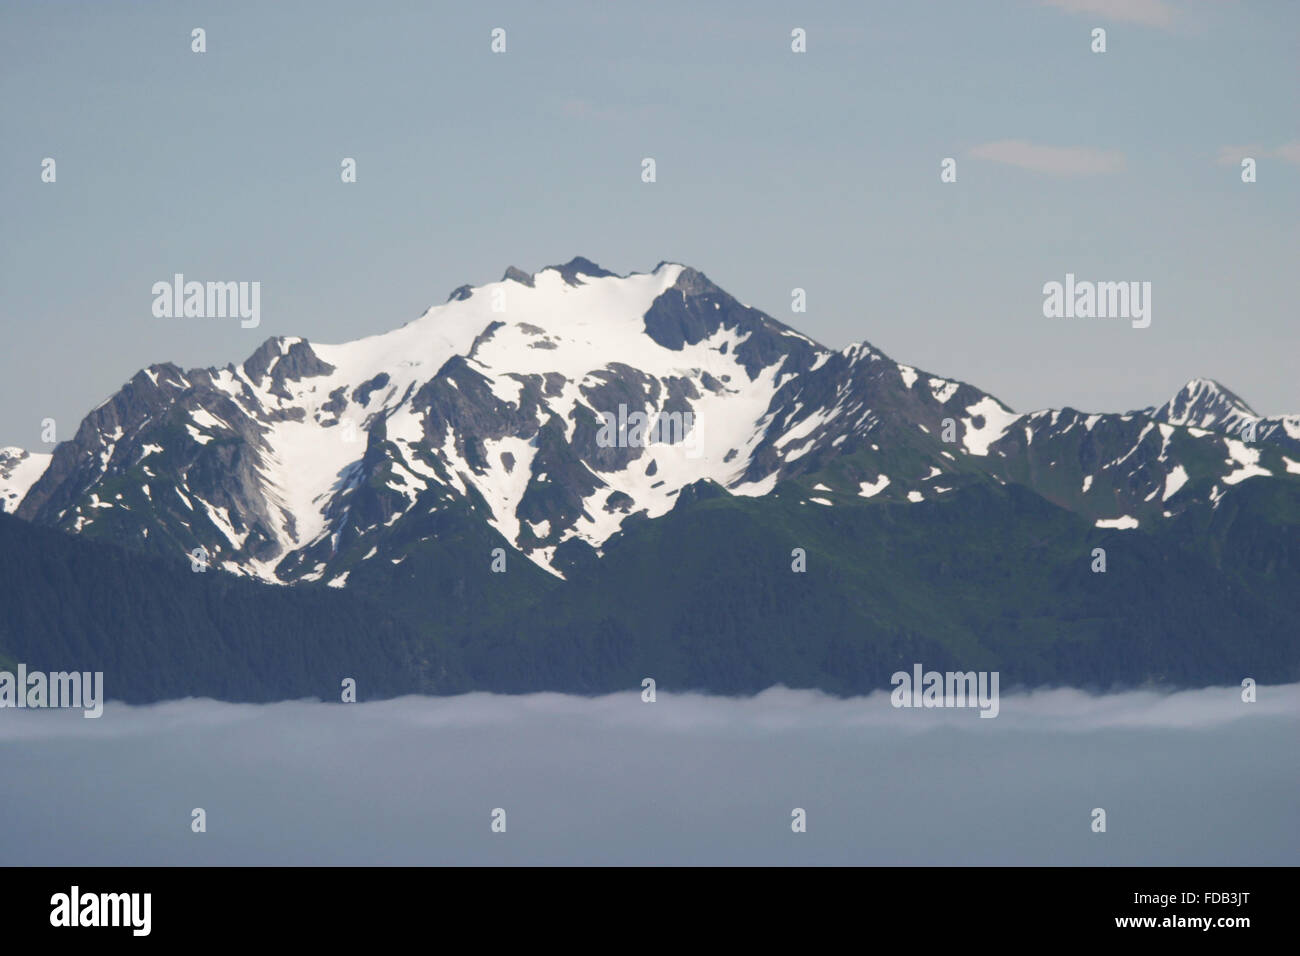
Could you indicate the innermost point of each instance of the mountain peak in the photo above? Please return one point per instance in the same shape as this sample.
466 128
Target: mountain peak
571 272
1203 403
580 266
518 275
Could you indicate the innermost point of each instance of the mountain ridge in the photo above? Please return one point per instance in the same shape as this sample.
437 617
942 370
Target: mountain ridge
294 465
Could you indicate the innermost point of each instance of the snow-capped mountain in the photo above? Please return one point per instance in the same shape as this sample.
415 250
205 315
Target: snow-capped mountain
308 459
1204 403
19 470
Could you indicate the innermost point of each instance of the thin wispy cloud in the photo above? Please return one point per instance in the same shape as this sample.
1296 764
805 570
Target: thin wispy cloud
1154 13
1053 160
1232 155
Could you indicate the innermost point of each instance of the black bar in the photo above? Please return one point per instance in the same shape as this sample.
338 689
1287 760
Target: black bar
976 906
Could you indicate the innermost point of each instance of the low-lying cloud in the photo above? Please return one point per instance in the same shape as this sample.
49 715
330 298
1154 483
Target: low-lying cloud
1195 777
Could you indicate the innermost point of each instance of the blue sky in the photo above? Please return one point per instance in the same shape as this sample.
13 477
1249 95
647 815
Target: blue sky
776 170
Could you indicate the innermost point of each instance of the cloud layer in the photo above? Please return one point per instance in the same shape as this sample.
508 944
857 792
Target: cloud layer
1194 777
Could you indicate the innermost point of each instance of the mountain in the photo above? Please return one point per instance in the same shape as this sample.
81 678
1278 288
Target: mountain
1205 404
284 467
308 460
390 480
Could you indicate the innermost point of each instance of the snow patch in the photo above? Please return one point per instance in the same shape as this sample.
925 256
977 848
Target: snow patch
1123 522
1176 478
976 441
868 489
1247 459
942 390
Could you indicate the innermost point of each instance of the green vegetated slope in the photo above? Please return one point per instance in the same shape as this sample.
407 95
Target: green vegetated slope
986 577
159 631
